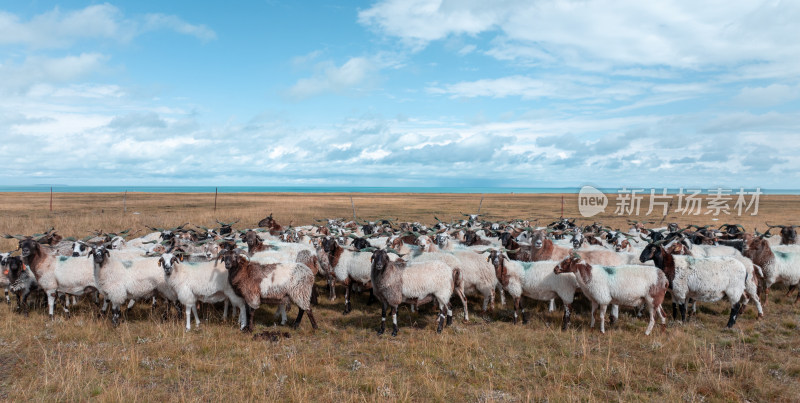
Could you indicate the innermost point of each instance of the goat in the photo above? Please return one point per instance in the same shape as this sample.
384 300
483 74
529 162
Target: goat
629 285
204 282
534 280
120 278
271 283
788 233
779 266
703 279
56 274
417 283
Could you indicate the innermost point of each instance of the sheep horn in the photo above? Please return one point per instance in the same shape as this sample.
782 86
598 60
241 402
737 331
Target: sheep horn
775 226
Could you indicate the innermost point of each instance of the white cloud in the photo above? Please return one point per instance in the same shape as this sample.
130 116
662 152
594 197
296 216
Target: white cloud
40 70
331 78
626 33
60 29
773 94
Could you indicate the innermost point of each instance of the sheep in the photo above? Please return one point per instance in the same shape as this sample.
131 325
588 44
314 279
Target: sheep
5 281
324 266
544 249
120 278
534 280
477 275
417 283
348 267
255 282
788 233
680 245
254 243
57 274
205 282
704 279
21 282
629 285
779 264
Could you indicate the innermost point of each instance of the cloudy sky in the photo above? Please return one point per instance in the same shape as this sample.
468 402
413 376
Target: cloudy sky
401 93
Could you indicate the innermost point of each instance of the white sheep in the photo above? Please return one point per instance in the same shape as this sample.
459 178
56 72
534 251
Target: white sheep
630 285
120 278
396 282
199 281
704 279
534 280
57 274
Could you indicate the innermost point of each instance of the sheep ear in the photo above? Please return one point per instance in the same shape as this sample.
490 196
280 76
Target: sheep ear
160 261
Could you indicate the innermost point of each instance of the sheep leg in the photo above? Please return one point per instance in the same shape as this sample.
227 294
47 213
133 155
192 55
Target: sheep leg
614 314
196 317
463 299
567 313
682 307
225 310
516 308
282 312
115 312
652 318
315 296
8 299
449 315
502 295
552 306
347 291
371 300
331 288
603 318
74 300
242 317
442 311
65 304
594 308
734 313
674 311
310 318
51 301
188 309
296 323
383 319
130 304
250 315
394 321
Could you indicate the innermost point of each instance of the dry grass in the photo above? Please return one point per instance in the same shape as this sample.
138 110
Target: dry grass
488 359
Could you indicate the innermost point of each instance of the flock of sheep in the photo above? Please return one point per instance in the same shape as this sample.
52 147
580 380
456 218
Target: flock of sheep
407 263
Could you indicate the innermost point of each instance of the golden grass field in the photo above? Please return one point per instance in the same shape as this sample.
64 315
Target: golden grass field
488 359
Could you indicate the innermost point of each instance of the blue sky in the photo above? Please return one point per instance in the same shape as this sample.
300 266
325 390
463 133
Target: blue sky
401 93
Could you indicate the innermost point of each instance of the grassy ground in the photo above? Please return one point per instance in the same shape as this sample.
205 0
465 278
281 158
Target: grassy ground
488 359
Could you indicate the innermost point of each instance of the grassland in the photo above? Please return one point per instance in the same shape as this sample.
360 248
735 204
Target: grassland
488 359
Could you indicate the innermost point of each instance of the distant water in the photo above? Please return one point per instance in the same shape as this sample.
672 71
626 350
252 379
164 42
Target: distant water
334 189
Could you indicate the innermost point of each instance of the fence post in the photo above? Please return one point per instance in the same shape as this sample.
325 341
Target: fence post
51 199
124 200
354 207
215 199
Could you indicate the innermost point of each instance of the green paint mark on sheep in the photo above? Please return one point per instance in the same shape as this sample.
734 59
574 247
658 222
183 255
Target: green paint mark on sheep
526 265
783 255
127 263
609 270
62 258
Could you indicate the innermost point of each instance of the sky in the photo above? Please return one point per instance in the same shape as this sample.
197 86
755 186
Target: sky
428 93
